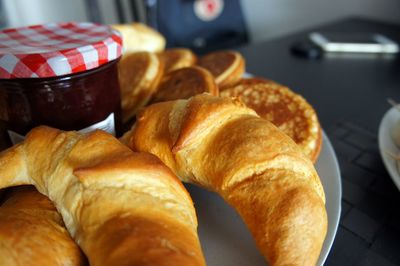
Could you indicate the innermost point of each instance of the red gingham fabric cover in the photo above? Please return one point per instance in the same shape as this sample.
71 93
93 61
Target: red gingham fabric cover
56 49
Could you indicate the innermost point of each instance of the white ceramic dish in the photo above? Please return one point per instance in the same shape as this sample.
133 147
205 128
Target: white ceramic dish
225 238
387 145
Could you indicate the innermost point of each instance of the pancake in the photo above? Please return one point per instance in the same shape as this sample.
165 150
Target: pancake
287 110
227 66
184 83
177 58
139 75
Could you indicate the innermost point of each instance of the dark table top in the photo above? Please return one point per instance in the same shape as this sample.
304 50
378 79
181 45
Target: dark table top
350 95
336 87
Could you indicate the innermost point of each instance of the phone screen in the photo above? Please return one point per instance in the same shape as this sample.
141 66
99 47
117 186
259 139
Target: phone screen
354 42
350 38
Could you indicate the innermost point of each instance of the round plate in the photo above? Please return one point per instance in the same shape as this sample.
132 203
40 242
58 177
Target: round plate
387 145
225 238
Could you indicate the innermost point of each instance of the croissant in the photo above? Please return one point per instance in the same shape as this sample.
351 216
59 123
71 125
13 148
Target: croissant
32 232
121 207
221 145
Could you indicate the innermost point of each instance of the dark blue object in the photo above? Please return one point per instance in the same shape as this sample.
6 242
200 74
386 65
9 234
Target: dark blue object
182 27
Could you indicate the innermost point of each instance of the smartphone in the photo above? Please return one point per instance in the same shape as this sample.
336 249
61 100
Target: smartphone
354 42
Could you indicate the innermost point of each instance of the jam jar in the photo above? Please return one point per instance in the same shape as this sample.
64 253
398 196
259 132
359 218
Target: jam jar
62 75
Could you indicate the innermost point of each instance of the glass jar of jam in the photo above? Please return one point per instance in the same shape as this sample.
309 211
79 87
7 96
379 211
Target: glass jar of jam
62 75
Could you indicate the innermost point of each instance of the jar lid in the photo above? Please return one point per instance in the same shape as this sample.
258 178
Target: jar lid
56 49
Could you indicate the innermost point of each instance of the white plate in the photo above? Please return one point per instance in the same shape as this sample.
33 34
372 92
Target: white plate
225 238
386 143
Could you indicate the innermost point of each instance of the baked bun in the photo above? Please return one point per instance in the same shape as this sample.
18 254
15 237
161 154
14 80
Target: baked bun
184 83
177 58
287 110
138 37
221 145
227 67
120 207
139 74
32 232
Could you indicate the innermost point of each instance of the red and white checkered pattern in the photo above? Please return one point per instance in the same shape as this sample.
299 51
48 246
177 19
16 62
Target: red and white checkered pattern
56 49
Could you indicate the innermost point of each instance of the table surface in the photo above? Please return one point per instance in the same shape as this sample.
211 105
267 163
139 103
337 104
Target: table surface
350 95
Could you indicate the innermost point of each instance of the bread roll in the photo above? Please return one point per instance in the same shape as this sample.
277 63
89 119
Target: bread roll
221 145
121 207
138 37
33 233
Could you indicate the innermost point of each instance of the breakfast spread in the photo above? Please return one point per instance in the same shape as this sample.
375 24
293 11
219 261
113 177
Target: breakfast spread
124 207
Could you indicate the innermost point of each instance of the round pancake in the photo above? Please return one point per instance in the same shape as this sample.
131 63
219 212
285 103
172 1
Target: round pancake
227 66
287 110
177 58
139 74
184 83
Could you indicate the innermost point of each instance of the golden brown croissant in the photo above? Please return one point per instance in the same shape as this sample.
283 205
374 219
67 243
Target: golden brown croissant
32 232
121 207
225 147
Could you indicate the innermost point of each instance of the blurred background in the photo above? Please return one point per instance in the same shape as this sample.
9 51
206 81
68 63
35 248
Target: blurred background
202 24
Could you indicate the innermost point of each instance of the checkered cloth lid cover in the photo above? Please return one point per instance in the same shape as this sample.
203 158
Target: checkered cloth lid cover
56 49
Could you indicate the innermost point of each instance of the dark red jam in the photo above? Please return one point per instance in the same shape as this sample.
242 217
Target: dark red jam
69 102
